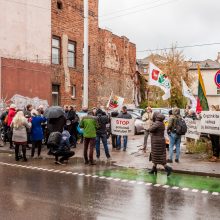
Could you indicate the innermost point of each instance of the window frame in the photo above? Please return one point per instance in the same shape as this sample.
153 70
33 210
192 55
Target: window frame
58 48
70 42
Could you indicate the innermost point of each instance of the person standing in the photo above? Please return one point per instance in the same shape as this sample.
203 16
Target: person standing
4 120
148 120
20 125
125 115
89 124
114 137
11 115
215 142
101 133
36 134
66 111
175 139
158 143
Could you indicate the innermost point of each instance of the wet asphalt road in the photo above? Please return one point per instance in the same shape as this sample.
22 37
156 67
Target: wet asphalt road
37 194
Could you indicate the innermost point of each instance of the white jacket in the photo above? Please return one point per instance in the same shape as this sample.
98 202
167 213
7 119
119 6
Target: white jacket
147 119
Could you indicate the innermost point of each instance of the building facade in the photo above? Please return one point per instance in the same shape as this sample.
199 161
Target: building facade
46 49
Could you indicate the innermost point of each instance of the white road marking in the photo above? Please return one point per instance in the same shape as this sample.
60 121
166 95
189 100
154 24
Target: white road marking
107 178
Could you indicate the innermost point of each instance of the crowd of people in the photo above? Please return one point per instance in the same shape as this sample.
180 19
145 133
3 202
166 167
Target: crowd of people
91 127
22 128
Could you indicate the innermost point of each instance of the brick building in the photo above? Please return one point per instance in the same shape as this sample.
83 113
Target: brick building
58 54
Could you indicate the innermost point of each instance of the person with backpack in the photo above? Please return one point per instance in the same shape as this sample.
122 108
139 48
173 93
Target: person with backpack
101 133
176 128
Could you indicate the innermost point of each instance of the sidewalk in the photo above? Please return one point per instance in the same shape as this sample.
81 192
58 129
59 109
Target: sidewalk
134 158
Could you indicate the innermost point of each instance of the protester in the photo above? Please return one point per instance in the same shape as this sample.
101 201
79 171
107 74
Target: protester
148 120
158 144
101 133
114 137
27 111
215 142
125 115
11 115
19 126
175 139
66 110
189 141
4 120
89 125
36 132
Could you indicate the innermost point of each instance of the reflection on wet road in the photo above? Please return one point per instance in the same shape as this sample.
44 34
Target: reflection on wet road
38 194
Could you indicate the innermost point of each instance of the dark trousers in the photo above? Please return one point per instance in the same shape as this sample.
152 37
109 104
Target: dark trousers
38 145
215 145
17 151
89 143
114 141
65 155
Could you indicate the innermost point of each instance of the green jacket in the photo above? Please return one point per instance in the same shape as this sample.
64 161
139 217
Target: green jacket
89 125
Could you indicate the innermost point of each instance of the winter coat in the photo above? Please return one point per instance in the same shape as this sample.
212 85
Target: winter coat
148 120
89 125
158 144
103 120
11 115
20 134
172 120
36 129
124 115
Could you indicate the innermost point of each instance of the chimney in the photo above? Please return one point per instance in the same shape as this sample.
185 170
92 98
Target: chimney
218 57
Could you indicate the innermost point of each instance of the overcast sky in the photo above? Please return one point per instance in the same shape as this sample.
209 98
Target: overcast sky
159 23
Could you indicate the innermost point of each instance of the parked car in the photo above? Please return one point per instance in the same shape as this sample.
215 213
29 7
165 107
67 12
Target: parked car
139 111
138 124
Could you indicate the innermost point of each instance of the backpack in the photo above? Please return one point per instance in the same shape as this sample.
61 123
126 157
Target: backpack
54 139
181 127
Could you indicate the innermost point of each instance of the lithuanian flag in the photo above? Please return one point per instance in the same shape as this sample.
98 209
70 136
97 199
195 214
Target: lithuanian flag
202 103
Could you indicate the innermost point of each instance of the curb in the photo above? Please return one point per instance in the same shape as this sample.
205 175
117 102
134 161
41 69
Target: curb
197 173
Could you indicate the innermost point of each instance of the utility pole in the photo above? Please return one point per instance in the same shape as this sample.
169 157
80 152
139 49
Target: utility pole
86 55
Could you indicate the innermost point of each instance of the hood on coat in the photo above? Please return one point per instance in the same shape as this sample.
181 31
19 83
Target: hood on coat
176 111
157 116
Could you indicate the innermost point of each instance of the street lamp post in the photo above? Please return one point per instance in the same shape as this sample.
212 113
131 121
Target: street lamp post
86 54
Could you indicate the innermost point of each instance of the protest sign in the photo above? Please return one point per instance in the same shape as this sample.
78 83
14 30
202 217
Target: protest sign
120 126
192 129
210 122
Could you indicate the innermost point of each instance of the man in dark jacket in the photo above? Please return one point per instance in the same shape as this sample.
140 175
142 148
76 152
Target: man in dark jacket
175 139
124 114
101 133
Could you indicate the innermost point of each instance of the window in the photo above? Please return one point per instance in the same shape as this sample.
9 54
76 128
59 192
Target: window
55 95
59 5
56 50
72 54
74 91
218 91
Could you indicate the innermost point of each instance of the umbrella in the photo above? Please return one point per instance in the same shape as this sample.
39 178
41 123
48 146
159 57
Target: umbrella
54 112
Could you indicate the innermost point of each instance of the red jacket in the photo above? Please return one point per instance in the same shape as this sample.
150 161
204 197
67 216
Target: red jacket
11 115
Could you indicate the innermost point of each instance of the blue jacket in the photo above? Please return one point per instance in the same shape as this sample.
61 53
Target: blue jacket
36 129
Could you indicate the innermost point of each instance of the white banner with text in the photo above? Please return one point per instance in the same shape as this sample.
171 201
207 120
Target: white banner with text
124 127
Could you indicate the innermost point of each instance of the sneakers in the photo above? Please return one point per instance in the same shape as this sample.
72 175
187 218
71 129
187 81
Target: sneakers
169 161
58 163
177 160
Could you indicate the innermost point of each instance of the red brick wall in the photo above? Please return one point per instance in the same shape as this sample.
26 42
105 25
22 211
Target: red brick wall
112 58
26 79
69 22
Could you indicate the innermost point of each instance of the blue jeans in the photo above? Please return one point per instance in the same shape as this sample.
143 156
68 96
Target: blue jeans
125 138
174 140
102 137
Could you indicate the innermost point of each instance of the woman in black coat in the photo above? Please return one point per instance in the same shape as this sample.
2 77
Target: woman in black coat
158 144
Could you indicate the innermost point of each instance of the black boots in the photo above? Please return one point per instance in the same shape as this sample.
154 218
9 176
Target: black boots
168 170
153 170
